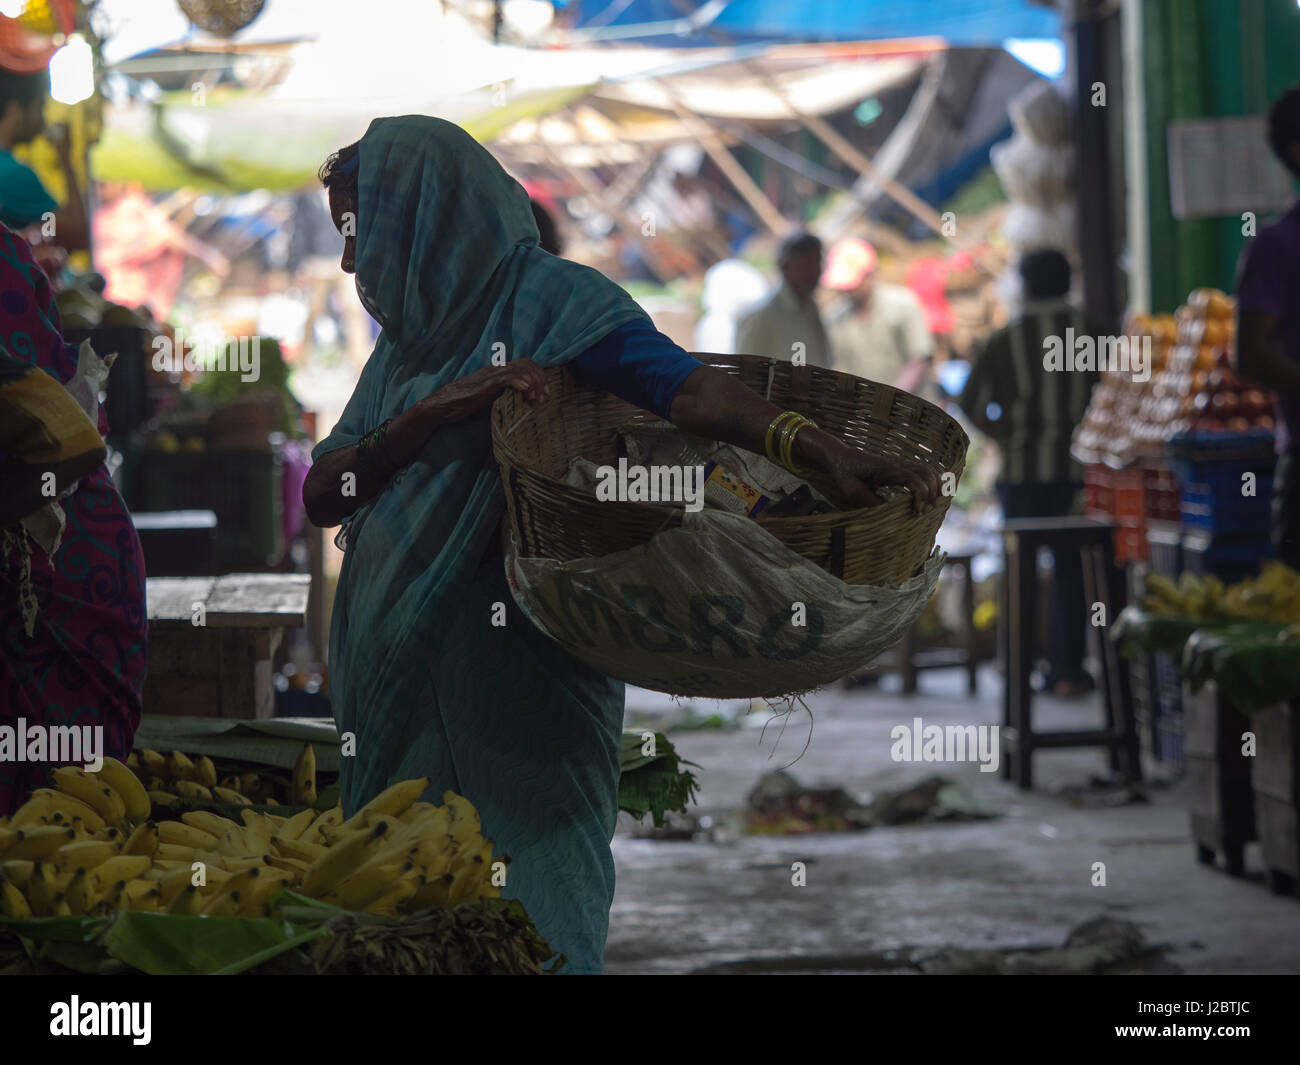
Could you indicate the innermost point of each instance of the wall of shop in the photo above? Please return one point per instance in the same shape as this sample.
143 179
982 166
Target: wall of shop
1205 59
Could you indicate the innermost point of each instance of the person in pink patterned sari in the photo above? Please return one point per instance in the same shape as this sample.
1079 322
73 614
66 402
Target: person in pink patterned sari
73 629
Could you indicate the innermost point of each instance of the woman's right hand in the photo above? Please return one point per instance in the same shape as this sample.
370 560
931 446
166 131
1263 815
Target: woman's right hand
475 392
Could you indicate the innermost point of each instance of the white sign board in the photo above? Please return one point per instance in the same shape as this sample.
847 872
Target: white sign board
1224 166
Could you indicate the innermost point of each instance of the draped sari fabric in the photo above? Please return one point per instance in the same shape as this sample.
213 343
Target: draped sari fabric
84 663
421 679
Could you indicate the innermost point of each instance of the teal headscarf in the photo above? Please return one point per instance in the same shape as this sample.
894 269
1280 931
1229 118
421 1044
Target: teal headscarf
448 263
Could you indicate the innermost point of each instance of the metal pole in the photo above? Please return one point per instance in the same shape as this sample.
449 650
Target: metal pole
1135 158
1092 148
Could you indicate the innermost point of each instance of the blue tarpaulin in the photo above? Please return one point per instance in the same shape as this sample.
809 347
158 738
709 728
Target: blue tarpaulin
980 23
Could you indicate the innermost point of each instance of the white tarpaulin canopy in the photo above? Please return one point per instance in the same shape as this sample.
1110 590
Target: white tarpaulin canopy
341 70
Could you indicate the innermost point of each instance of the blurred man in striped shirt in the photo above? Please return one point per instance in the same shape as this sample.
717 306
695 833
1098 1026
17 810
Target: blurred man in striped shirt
1030 411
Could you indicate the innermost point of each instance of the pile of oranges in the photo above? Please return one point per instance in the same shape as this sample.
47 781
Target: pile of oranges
1193 385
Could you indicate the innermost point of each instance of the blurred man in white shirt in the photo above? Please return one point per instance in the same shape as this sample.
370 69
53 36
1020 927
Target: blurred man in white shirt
788 323
877 330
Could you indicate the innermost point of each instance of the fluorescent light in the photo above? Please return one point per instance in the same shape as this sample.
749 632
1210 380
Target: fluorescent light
12 8
72 71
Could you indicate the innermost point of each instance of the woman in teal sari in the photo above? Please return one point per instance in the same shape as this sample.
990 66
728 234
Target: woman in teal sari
444 248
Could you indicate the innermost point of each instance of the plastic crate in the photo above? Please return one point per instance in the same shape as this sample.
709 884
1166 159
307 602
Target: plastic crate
1165 548
1130 503
1168 685
1162 495
1210 471
1141 678
243 488
1193 456
1098 490
1139 495
1130 544
1169 740
1230 558
1218 506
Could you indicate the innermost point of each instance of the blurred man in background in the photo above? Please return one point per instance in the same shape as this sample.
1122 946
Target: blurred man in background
877 330
1031 413
788 323
1268 327
24 200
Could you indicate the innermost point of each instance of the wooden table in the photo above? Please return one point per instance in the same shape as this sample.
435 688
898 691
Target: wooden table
211 641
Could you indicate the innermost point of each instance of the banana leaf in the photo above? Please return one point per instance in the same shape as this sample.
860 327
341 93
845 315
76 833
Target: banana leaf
490 935
171 945
1136 629
159 944
69 942
1252 668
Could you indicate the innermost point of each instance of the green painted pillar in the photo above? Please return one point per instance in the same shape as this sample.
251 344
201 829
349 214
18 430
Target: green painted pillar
1190 61
1206 59
1226 28
1161 235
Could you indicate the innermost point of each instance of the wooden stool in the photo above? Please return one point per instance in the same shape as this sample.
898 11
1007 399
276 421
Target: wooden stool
1103 583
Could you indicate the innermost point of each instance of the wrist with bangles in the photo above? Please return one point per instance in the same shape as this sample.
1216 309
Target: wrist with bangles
779 442
372 455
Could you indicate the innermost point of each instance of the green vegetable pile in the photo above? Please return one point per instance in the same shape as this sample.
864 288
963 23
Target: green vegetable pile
653 781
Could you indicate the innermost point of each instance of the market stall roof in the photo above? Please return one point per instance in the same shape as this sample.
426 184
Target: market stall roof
816 84
230 139
683 23
620 118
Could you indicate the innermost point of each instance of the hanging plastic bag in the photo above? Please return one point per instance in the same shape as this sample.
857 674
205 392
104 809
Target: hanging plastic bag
716 608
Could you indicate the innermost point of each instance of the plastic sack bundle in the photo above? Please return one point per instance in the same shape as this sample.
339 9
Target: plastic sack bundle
1032 173
1028 228
716 608
1039 113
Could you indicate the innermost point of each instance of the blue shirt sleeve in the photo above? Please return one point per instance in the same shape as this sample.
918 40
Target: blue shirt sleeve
638 364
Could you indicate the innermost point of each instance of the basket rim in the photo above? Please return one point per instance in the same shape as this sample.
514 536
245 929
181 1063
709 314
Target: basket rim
835 517
507 456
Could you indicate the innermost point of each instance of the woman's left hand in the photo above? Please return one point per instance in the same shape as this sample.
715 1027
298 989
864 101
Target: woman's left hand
858 475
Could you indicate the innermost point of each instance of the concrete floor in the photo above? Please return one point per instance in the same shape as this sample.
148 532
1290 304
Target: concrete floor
1023 880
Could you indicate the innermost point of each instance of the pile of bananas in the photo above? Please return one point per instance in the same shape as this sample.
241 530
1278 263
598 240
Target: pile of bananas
1272 596
87 846
176 776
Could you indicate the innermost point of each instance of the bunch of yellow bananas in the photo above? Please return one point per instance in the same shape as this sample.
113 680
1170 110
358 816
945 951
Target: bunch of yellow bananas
1192 597
1272 596
173 776
167 777
88 847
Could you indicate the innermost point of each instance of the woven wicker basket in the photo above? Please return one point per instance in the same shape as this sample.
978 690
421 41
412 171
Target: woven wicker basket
885 544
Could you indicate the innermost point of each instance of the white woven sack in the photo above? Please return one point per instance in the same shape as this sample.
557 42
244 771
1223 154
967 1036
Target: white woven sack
717 608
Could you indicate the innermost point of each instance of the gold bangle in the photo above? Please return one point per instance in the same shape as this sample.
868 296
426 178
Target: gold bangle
774 425
788 433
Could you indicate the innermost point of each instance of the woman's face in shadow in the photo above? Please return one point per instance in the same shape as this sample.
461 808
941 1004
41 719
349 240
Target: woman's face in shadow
343 210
